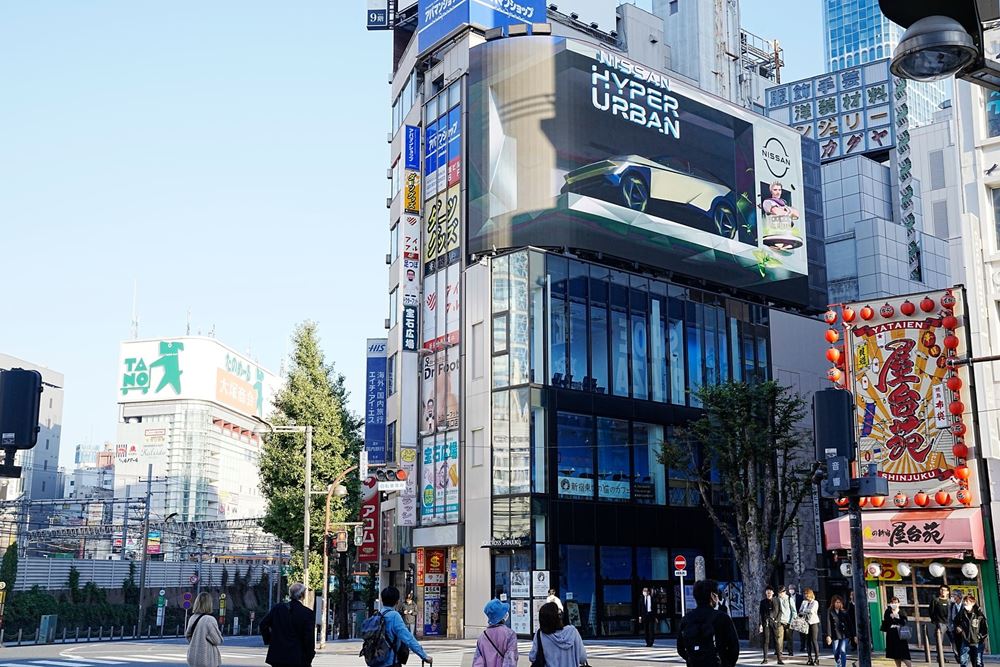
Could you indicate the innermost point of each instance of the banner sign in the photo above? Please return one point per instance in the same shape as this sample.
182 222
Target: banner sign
408 498
368 552
375 392
411 148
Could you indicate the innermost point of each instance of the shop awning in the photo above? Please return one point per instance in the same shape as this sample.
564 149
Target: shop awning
913 534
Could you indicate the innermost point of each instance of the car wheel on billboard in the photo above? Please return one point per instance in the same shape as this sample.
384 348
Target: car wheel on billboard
724 216
635 192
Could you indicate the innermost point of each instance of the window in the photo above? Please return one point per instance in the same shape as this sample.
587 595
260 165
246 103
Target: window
575 455
599 329
678 386
393 303
940 218
639 305
520 441
478 447
683 491
578 377
390 439
477 350
993 114
673 7
937 179
695 318
501 443
619 333
658 344
500 333
391 372
394 242
576 579
649 481
558 321
613 470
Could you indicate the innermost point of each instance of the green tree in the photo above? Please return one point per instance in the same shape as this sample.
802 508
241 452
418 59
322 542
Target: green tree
315 395
73 584
8 567
130 589
753 465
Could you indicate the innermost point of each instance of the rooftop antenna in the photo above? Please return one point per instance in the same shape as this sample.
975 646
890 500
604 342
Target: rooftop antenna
211 332
188 323
135 312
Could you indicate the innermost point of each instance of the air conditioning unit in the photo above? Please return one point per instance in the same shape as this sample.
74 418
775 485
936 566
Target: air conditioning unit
388 202
387 323
388 258
388 174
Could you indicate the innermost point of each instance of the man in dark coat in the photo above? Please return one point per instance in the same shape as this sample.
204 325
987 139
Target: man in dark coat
289 632
706 637
647 615
770 612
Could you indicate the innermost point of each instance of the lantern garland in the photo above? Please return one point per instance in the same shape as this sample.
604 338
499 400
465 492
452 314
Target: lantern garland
962 473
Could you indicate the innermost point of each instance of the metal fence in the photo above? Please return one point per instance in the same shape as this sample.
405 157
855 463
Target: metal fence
66 635
52 573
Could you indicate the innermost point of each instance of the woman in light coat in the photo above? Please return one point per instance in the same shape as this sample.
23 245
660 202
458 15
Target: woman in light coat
810 612
202 633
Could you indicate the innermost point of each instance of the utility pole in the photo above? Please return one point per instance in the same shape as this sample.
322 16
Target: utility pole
340 492
862 620
145 544
308 502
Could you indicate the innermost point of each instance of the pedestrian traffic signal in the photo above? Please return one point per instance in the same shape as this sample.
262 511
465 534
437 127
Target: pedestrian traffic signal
20 398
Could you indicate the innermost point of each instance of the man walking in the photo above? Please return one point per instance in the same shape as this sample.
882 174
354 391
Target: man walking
706 637
770 613
387 641
796 600
940 615
784 627
288 631
647 615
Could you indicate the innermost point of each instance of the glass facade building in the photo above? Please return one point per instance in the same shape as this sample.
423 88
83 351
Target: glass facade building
856 32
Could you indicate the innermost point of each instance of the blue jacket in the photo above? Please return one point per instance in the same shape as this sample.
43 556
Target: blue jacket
398 634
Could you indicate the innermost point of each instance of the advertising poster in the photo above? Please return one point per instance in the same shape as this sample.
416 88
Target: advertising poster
439 18
375 391
452 305
451 469
408 498
520 584
540 583
441 229
520 616
536 604
411 148
411 191
903 402
445 131
428 471
138 445
454 147
439 391
625 161
430 310
430 157
368 552
434 584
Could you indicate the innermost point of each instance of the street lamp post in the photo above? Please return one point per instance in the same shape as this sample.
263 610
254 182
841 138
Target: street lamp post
333 489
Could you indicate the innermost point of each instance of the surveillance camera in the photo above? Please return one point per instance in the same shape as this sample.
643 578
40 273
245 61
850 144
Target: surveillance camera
935 47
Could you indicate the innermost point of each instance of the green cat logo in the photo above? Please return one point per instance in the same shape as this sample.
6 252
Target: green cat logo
138 374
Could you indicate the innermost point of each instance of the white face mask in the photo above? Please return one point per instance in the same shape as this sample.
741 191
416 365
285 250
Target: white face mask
968 607
894 606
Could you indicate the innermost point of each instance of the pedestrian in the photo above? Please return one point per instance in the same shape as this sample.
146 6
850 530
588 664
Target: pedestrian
796 599
897 634
956 606
784 628
851 613
500 646
941 616
203 635
839 629
555 644
387 641
706 637
410 613
970 632
554 599
770 612
809 610
718 604
288 631
647 615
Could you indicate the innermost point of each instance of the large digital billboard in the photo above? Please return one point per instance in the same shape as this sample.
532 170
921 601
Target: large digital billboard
582 148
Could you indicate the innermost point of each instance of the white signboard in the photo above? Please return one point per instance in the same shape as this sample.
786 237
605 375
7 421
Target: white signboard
520 616
193 367
520 584
540 583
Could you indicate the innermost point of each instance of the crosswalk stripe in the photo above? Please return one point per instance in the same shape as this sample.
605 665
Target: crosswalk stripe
171 657
129 658
91 661
55 663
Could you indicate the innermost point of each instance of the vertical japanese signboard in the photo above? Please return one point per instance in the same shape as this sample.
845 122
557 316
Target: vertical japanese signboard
375 392
912 409
368 552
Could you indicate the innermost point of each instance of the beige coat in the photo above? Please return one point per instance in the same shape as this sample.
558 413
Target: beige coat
204 640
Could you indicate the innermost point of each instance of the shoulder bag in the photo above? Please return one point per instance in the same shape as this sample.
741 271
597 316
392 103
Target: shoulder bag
540 654
905 633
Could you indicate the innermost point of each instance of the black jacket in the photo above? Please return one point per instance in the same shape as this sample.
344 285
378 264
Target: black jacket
939 610
967 629
727 644
770 610
289 630
839 624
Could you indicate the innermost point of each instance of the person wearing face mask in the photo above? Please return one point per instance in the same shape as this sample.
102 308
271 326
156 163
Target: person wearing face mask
896 646
970 633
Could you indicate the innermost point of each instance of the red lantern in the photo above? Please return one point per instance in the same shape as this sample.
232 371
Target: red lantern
954 382
920 499
832 336
951 341
834 375
960 450
949 322
964 496
928 339
887 311
842 502
900 499
956 407
927 304
833 355
907 307
867 313
963 473
942 498
878 501
949 301
958 429
848 314
862 501
830 317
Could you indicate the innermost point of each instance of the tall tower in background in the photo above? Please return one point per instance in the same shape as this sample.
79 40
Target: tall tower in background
856 32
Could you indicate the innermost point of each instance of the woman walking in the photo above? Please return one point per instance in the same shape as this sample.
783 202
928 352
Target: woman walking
497 646
840 630
560 645
810 612
897 634
203 634
410 614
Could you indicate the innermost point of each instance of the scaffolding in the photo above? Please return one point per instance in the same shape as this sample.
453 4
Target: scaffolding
760 56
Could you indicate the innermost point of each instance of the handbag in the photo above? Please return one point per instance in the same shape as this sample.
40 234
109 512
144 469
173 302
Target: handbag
540 654
905 633
800 624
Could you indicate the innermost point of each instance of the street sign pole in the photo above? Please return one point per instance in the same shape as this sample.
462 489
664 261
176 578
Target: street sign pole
680 571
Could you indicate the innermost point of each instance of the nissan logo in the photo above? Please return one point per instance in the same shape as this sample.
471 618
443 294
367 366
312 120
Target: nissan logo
776 157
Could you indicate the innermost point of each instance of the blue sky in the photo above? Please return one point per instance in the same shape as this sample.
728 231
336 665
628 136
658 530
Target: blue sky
228 157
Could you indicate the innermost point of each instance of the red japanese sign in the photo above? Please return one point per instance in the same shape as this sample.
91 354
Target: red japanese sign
420 566
368 552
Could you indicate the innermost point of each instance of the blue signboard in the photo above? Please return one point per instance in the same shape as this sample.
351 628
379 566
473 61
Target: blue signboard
412 148
375 391
438 18
430 161
378 14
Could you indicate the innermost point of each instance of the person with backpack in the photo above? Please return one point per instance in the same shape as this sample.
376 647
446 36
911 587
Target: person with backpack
203 635
706 637
497 646
555 644
387 641
289 631
970 632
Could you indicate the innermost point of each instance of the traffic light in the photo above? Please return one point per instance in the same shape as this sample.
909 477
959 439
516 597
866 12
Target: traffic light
391 478
943 39
20 397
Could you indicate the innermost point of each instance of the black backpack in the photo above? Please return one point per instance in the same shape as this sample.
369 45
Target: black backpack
376 647
699 640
